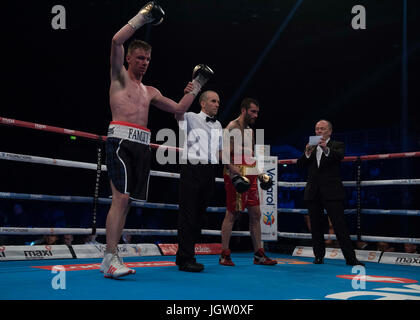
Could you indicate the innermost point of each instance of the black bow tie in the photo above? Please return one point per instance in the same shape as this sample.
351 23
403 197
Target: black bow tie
210 119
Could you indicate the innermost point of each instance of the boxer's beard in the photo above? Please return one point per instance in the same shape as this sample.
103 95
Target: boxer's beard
248 120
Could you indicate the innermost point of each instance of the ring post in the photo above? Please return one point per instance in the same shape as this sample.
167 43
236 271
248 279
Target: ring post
359 200
98 178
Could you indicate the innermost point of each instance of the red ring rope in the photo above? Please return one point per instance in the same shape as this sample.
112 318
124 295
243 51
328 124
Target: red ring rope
42 127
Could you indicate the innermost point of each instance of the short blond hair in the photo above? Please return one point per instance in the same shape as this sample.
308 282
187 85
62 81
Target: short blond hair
139 44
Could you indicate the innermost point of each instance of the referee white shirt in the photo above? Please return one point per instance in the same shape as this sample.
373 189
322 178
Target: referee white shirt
203 138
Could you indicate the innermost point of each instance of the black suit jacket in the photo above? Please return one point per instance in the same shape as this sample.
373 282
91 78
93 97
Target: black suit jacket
327 178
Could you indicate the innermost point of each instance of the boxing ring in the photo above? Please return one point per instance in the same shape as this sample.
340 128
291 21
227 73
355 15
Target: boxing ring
295 277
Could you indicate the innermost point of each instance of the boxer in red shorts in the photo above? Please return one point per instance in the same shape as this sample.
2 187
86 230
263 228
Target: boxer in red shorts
235 201
241 187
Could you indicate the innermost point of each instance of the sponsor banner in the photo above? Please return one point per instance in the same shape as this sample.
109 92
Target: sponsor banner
124 250
268 199
40 252
208 248
369 256
303 252
408 259
96 266
334 253
170 249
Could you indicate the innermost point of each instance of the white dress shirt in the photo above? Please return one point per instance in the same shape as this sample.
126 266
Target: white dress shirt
202 139
319 152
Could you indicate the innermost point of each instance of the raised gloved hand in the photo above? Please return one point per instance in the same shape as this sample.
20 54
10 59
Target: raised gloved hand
201 74
150 13
241 183
266 182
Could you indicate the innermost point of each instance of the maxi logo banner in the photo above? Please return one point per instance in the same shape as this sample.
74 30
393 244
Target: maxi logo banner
268 200
39 252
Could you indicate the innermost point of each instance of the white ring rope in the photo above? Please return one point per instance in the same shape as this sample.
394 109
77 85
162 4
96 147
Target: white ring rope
162 232
93 166
75 164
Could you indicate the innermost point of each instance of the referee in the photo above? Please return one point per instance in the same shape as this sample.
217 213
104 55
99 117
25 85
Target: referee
202 143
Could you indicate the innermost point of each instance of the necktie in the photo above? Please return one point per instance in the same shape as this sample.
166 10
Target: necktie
210 119
318 155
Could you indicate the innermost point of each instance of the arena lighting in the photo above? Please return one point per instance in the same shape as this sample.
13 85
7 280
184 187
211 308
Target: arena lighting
254 69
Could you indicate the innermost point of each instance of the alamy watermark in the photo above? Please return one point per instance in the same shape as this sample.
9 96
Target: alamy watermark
227 146
359 281
59 20
359 20
58 282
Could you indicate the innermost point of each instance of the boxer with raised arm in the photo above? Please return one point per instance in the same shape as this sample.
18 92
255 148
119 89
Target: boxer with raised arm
127 147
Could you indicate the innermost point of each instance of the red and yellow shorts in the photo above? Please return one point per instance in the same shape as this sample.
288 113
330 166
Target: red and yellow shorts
239 201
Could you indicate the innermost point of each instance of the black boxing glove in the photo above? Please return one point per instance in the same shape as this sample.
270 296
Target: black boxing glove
201 74
150 13
266 182
241 183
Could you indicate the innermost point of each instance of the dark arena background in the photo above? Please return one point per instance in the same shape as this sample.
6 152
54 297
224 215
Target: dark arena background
302 60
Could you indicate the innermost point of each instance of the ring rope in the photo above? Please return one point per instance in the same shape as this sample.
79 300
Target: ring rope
92 166
42 127
163 232
75 164
79 199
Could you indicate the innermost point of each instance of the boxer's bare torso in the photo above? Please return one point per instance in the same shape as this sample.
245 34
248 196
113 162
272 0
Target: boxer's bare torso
129 98
247 138
130 101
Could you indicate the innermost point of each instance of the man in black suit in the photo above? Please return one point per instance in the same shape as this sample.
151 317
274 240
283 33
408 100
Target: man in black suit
324 190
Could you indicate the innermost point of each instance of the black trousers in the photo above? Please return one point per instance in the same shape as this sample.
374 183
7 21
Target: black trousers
335 211
196 187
